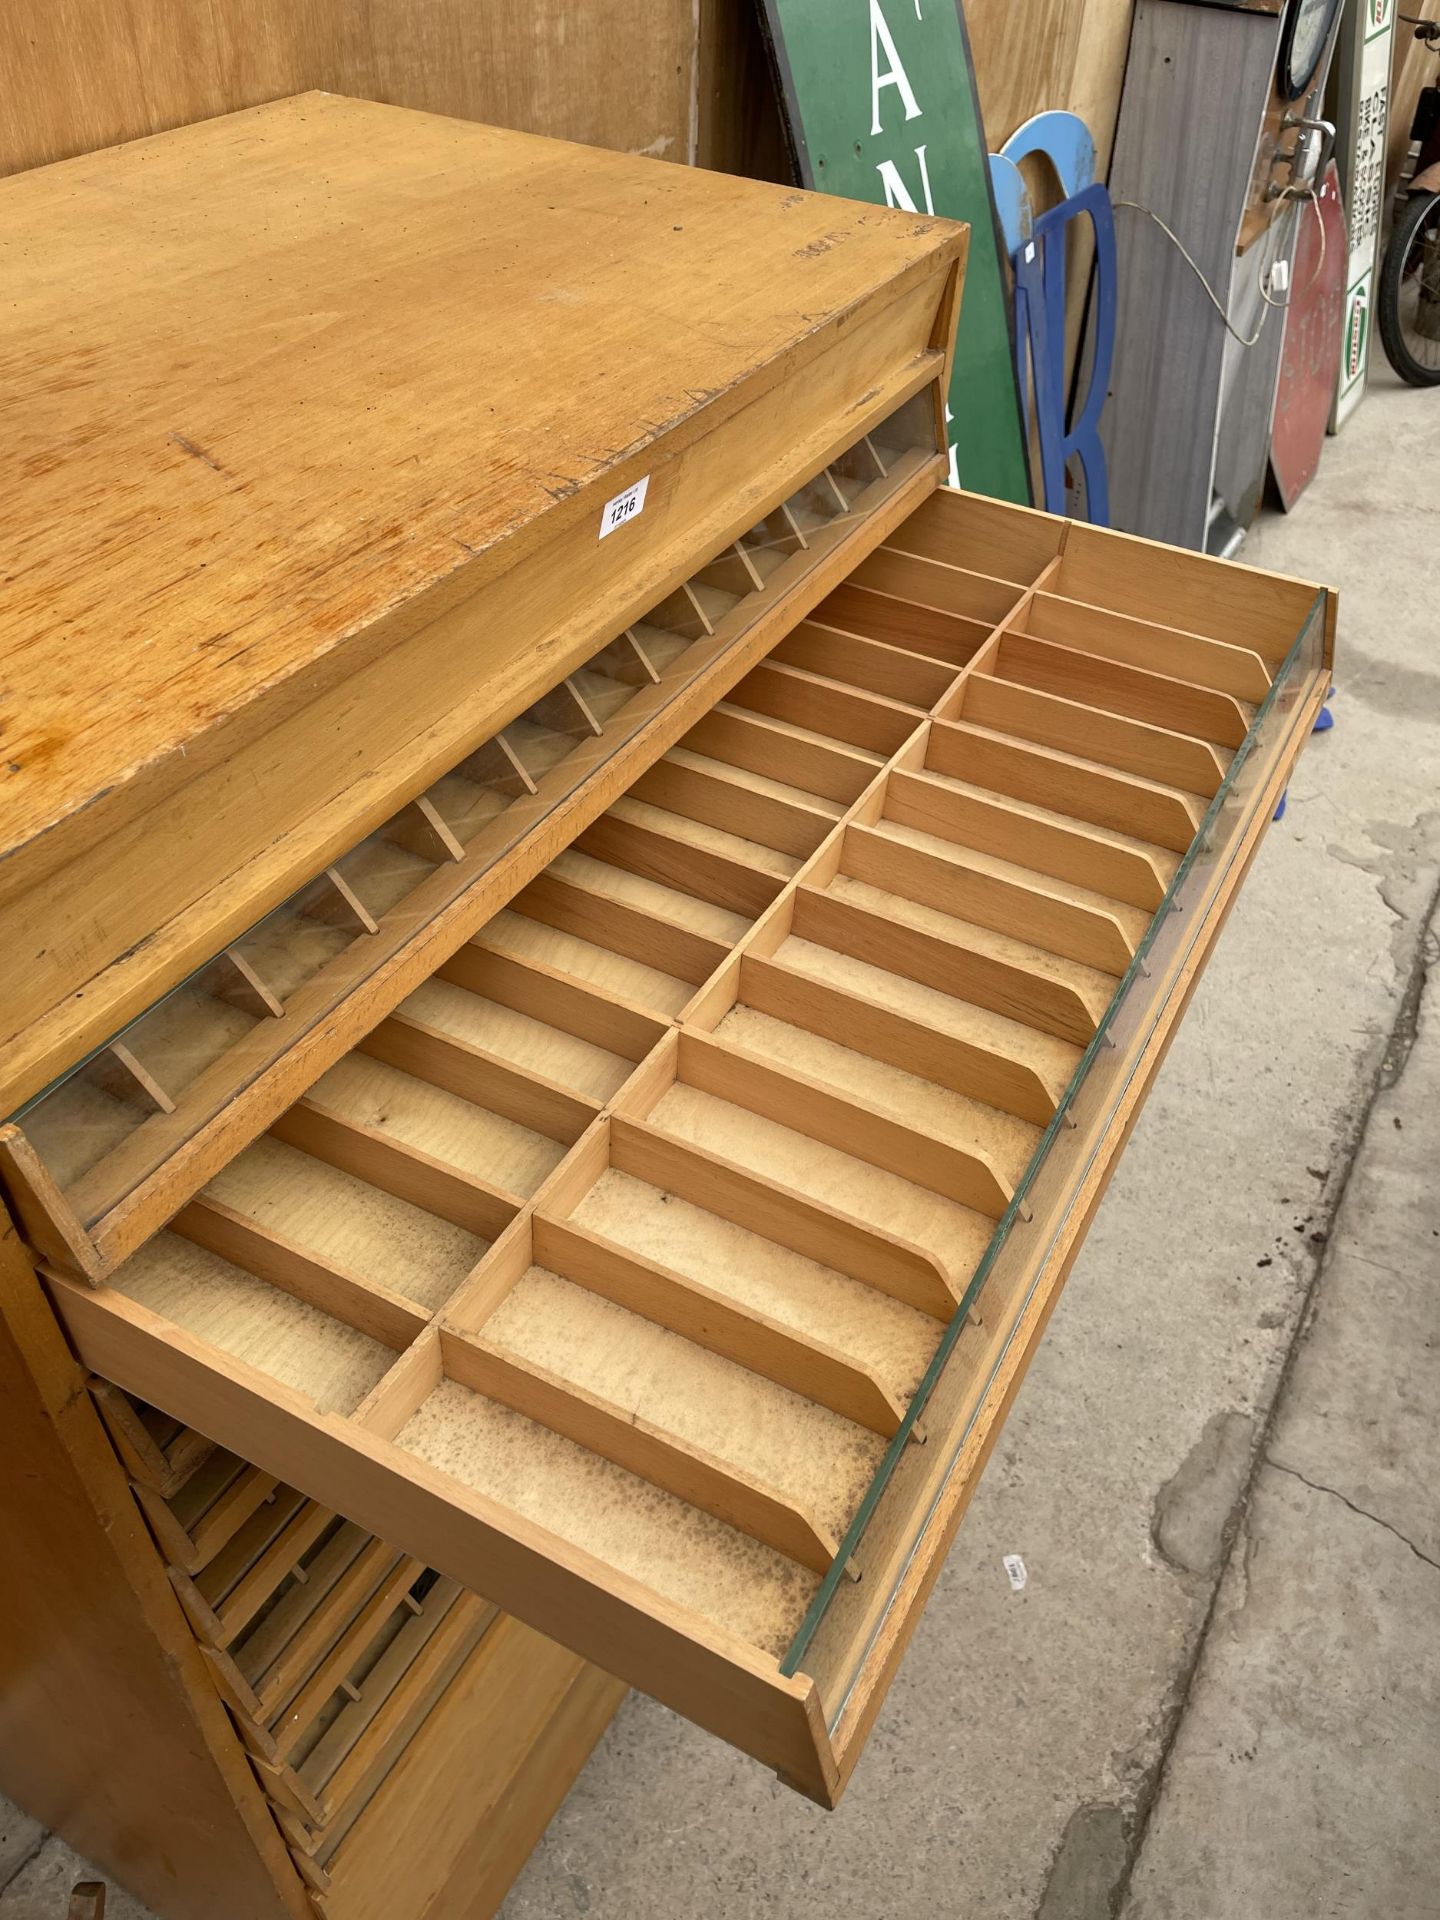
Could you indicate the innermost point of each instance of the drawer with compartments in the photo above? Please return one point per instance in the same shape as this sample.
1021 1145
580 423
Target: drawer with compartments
662 1266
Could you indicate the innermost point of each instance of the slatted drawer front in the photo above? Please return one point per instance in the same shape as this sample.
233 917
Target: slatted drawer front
663 1266
98 1160
348 1668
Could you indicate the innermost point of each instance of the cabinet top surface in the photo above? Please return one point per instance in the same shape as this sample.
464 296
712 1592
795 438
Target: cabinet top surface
269 378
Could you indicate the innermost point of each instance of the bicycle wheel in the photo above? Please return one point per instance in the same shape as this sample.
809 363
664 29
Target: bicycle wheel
1408 300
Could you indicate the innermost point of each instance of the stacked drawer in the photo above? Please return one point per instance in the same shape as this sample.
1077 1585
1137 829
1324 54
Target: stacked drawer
354 1675
106 1147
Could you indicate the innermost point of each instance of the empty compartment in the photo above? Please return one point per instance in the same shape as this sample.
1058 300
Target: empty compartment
670 903
275 1333
938 585
1220 665
1139 693
500 1152
875 666
887 1337
1021 1064
951 638
526 1015
982 536
523 937
816 1462
622 1521
346 1221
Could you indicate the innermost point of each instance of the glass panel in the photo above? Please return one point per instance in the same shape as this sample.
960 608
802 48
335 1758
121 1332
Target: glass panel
846 1616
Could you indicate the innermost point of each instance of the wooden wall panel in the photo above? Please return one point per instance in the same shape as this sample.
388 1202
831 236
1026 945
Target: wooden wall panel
610 73
81 74
682 80
1031 55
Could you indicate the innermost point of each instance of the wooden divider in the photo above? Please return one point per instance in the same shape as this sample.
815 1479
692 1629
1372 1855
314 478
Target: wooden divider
729 1073
244 1242
383 1160
895 673
718 1488
1065 784
944 964
735 806
758 743
1140 643
528 1098
989 823
1045 917
869 1028
1131 746
947 637
802 1363
824 706
1135 692
776 1212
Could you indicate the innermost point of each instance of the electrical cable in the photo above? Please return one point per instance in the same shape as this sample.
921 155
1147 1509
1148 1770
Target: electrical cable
1286 193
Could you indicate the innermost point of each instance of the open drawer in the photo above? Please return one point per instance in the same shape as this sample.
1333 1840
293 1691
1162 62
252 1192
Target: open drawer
663 1267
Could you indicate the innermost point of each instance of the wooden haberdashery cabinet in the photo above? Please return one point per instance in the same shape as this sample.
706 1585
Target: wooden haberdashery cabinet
580 942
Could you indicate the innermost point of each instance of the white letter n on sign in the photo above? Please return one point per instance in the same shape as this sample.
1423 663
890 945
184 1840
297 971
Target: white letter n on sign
894 74
897 194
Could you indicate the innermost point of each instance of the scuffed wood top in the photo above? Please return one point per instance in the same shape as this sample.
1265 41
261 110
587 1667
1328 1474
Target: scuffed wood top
270 377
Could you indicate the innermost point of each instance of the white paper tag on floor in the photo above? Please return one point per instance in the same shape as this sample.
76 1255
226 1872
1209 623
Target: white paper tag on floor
1015 1568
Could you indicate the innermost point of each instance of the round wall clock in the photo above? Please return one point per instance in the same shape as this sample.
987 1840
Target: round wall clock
1303 41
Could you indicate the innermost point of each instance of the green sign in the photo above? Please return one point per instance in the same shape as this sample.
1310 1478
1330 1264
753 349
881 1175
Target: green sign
881 105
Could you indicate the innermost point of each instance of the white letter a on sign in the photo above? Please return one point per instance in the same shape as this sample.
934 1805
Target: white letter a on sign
881 40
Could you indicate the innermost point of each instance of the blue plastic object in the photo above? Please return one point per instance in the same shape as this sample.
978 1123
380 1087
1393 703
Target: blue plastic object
1038 246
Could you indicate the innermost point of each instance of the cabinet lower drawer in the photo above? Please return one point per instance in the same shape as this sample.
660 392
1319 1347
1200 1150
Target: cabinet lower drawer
663 1268
411 1742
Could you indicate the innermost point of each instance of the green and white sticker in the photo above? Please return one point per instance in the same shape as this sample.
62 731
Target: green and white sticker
1355 341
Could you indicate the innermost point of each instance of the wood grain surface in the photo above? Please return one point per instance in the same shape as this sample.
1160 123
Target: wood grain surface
329 355
295 391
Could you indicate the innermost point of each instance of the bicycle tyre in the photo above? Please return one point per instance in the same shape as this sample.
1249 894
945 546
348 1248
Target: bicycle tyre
1418 208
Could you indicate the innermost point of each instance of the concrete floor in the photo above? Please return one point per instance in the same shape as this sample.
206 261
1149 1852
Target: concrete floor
1218 1696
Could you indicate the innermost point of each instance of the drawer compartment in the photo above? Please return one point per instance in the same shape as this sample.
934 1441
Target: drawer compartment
837 1028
